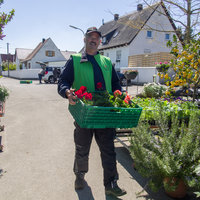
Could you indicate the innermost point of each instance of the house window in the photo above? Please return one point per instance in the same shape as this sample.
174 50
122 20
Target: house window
167 36
104 40
50 53
118 55
149 34
147 50
107 54
29 65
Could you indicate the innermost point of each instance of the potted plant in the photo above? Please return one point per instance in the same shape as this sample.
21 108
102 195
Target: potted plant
162 67
130 74
169 157
3 96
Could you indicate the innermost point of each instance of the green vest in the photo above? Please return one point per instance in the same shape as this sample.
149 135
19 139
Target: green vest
84 74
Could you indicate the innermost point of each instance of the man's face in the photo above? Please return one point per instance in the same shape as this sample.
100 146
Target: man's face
92 41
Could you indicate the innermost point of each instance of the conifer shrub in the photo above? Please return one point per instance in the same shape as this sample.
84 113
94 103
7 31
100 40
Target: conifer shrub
168 153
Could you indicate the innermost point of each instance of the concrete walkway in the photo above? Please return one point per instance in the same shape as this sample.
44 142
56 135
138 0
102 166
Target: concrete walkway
37 161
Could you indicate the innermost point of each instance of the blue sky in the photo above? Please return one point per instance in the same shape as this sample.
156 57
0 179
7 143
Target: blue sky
37 19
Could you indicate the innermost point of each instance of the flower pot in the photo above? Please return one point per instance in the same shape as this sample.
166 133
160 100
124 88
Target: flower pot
131 75
180 190
2 109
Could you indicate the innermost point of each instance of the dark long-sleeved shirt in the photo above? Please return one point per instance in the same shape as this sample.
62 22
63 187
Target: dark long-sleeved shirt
67 75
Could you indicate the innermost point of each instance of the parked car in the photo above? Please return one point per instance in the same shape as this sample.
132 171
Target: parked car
48 77
122 79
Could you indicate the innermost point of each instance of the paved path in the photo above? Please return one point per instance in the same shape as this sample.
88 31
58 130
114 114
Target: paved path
38 157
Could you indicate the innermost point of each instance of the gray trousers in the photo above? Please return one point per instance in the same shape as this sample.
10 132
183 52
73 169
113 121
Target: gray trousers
105 140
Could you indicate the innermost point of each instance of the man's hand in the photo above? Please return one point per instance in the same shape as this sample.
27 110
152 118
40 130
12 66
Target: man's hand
71 97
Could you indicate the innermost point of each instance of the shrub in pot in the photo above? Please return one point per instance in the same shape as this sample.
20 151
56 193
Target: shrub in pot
172 153
3 94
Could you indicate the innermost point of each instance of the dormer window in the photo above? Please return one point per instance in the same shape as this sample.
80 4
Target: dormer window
115 34
103 40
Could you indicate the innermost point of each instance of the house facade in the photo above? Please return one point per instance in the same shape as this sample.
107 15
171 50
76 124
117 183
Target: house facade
45 52
143 32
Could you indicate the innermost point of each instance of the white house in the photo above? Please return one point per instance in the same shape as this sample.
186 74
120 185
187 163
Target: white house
46 51
29 61
137 34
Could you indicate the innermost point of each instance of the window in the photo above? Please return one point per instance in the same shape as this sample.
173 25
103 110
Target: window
147 50
149 34
167 36
103 40
118 55
50 53
115 34
107 54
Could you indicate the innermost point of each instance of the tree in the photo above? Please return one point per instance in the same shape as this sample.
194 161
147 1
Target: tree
4 19
186 65
184 13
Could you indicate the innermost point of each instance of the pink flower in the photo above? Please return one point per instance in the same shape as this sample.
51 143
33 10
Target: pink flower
160 63
156 63
99 85
165 62
117 93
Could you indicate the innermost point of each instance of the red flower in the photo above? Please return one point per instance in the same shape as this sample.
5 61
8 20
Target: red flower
117 93
128 97
83 89
88 96
99 85
79 94
126 101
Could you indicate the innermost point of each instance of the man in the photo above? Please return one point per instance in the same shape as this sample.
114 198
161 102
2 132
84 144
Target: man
41 74
88 69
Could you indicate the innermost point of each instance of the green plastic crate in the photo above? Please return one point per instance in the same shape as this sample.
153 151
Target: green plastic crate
25 82
104 117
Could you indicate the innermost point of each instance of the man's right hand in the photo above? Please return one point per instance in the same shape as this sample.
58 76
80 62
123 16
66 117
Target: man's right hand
71 97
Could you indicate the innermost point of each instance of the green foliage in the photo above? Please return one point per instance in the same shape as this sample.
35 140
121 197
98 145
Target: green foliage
3 93
105 99
172 153
151 107
4 19
12 66
153 90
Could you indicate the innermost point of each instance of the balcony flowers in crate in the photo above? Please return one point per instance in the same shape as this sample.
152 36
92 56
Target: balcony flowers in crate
130 74
104 98
162 66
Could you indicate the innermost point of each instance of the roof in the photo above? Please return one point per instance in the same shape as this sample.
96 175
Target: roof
67 54
22 53
34 51
6 57
122 31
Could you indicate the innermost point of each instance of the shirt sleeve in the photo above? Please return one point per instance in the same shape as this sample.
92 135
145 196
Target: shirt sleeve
115 81
66 78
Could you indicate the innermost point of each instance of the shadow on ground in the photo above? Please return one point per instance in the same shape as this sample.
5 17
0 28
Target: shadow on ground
85 194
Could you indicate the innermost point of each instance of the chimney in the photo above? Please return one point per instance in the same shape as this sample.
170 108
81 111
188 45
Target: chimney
102 21
43 40
139 7
116 17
